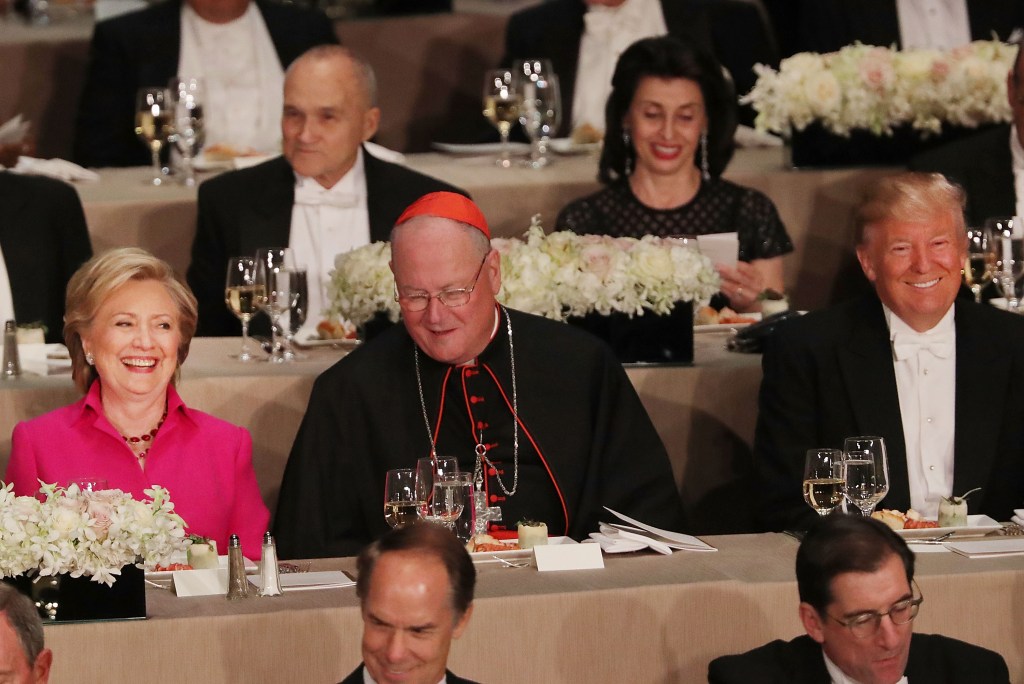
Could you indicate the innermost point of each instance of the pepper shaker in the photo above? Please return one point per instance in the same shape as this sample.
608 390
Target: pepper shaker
238 583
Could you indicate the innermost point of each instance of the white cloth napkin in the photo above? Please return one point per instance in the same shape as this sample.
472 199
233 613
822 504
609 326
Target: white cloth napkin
54 168
1018 516
613 540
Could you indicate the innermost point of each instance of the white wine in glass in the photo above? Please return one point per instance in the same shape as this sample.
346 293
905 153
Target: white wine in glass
980 263
401 506
243 297
154 124
501 107
823 480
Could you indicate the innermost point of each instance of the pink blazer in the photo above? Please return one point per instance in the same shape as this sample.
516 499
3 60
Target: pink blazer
205 464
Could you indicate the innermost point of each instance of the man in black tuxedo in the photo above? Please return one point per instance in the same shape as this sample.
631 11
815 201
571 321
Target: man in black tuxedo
733 30
942 382
415 589
985 163
827 25
142 49
44 240
330 110
858 601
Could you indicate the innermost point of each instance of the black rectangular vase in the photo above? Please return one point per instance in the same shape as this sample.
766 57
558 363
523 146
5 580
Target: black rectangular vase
650 338
62 598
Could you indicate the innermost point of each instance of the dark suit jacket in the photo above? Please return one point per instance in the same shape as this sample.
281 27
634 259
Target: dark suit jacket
934 659
733 30
983 165
241 211
357 677
140 49
829 375
827 25
44 241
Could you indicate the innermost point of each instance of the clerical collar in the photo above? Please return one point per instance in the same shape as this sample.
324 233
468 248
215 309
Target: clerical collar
494 333
898 325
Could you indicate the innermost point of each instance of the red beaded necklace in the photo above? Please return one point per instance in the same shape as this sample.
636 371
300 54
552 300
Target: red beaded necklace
146 438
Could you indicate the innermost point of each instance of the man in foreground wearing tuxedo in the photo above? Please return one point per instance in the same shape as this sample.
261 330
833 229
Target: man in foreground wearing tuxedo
942 382
415 589
989 165
858 600
325 196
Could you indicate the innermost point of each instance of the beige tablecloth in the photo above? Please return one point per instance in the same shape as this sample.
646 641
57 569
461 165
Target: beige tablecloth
644 618
705 414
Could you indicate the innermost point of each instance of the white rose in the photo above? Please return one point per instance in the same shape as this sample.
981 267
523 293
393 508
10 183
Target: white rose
653 263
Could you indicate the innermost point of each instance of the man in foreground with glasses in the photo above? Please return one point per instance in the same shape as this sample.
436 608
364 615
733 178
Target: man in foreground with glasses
540 412
858 600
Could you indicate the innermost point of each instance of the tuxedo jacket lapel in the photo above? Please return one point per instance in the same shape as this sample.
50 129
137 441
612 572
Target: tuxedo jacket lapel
866 364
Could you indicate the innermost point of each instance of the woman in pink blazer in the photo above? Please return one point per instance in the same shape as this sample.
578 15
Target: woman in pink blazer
128 324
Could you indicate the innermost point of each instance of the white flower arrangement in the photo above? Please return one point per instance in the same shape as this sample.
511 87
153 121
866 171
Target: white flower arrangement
878 89
558 275
82 533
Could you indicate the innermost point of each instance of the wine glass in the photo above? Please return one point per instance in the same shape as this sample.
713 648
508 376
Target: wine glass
439 490
189 131
243 296
981 260
401 506
501 107
154 124
1008 234
465 524
865 472
823 480
540 113
275 268
298 312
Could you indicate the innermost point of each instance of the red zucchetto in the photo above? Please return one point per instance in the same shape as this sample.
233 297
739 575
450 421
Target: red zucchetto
449 205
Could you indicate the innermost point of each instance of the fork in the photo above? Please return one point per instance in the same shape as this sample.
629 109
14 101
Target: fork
514 563
931 540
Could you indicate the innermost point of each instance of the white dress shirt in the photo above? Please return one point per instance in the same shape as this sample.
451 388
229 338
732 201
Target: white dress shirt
938 24
367 679
607 32
242 77
840 677
1017 155
327 222
925 365
6 298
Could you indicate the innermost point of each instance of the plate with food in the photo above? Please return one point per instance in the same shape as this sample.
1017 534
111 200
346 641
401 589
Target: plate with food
221 157
486 549
167 571
911 525
709 320
480 148
332 333
569 146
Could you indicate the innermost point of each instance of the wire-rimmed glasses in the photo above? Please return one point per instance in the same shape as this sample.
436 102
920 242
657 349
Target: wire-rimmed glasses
451 298
865 625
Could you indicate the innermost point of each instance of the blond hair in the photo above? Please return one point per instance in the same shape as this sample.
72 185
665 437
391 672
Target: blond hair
910 197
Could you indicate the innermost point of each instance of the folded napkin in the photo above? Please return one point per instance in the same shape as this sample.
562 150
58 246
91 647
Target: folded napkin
54 168
42 359
1018 516
615 540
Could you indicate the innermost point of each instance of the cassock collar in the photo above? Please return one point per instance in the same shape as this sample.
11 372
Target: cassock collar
490 343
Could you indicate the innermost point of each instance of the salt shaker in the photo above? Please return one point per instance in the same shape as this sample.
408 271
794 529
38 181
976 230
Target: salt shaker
238 583
12 362
270 580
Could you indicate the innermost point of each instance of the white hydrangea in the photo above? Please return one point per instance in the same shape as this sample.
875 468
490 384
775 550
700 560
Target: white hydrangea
877 89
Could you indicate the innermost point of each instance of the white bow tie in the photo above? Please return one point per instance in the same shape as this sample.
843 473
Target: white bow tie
315 197
905 345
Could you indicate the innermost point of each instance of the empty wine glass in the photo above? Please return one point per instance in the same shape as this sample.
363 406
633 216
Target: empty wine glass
154 124
275 268
298 312
243 296
439 489
823 480
189 131
865 472
540 113
981 260
501 107
401 506
1008 234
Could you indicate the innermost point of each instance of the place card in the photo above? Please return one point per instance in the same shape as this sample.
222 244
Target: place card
722 249
200 582
994 548
568 557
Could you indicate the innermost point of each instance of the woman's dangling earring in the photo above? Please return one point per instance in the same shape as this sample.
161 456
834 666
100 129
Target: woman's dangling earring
705 172
89 358
627 151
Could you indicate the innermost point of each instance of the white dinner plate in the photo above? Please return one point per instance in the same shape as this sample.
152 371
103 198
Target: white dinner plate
568 147
250 568
346 343
512 554
201 163
727 327
976 525
480 148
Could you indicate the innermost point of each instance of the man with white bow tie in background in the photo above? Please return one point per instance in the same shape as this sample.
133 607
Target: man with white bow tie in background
325 196
584 38
940 378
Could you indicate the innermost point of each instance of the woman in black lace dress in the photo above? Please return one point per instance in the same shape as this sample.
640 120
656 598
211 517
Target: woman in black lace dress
669 134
